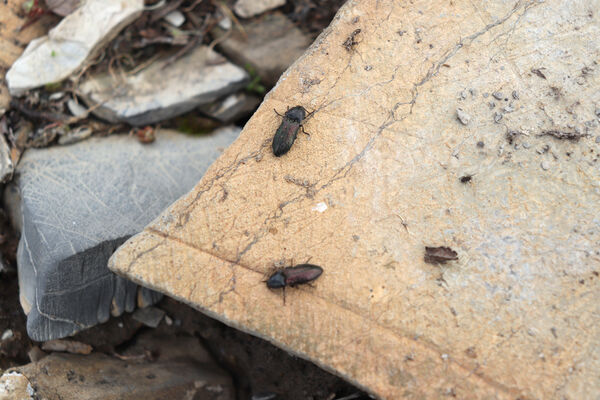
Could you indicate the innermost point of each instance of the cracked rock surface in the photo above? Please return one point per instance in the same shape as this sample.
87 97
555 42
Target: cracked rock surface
388 169
76 204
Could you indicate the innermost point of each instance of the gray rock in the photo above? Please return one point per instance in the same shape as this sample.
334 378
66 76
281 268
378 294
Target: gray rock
6 165
160 92
232 107
149 316
462 116
76 204
270 45
250 8
68 45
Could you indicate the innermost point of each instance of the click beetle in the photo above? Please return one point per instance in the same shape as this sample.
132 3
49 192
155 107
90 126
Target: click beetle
287 131
293 276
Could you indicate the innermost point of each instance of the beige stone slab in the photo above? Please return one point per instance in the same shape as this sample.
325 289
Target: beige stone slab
517 316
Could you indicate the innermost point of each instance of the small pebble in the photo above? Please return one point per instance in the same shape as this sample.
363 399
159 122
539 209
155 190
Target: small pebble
7 334
462 116
545 166
597 139
498 95
491 104
497 117
368 67
175 18
463 95
597 112
526 145
515 95
486 95
509 108
480 144
56 96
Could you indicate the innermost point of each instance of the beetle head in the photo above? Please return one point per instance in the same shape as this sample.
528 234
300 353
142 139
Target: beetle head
296 114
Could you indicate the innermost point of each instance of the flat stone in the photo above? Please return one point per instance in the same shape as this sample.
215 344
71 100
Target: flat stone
182 370
271 44
158 93
250 8
75 204
231 108
376 182
149 316
76 39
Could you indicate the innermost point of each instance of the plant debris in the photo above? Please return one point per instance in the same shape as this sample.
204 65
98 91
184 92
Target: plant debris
538 72
350 42
68 346
439 255
573 136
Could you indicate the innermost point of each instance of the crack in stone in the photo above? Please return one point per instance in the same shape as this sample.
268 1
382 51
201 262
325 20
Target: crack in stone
426 345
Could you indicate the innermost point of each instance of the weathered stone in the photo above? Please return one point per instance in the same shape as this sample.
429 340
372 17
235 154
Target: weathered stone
158 93
77 204
231 108
71 43
182 370
518 314
270 45
14 385
250 8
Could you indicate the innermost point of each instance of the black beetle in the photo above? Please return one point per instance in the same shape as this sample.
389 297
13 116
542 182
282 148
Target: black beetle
292 276
287 131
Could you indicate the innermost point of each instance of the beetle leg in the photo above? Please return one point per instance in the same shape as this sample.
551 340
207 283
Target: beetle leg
303 131
284 295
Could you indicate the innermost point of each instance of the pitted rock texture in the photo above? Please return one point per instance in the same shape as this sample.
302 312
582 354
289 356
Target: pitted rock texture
382 176
77 204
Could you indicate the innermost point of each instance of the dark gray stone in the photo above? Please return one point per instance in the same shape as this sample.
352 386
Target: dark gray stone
76 204
269 44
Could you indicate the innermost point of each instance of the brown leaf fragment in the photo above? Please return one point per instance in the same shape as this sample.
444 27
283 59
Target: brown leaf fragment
67 346
439 255
538 72
563 135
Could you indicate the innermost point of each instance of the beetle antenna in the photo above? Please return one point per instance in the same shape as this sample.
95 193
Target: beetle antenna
277 113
